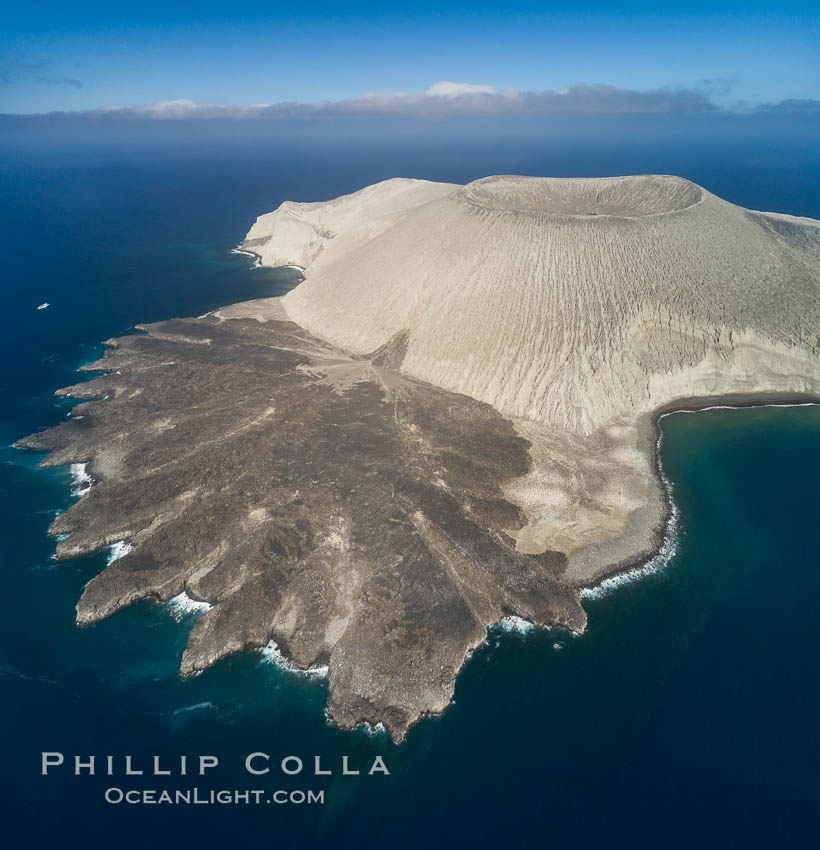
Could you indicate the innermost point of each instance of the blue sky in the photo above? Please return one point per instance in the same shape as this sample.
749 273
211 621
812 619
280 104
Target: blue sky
63 56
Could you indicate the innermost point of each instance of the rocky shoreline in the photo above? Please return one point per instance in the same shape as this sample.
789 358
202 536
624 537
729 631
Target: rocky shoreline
342 474
351 515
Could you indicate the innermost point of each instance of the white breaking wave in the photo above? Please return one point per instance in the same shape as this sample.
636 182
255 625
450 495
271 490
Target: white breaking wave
257 260
368 728
81 481
271 654
371 731
182 606
118 549
669 546
671 536
652 566
516 624
743 407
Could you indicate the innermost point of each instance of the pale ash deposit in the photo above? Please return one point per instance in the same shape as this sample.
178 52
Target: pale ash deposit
451 421
577 308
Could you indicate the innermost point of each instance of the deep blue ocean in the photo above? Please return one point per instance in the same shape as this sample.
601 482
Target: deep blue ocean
687 715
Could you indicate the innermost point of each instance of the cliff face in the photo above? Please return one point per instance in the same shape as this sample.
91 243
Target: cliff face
449 421
299 234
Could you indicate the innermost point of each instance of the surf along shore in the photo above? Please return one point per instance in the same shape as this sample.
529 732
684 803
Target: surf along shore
370 492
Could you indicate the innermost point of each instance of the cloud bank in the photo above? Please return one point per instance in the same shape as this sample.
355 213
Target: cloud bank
792 106
447 99
443 99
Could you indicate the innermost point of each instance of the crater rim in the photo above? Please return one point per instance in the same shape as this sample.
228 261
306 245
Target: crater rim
589 198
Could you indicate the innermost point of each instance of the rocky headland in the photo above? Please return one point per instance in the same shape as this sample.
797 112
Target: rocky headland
451 420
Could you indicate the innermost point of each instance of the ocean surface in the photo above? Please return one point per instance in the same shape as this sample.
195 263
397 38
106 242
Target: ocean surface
687 715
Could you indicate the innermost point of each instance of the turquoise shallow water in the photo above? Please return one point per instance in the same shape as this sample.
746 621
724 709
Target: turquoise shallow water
685 716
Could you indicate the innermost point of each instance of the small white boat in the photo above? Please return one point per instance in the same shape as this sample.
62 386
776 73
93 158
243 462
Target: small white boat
43 305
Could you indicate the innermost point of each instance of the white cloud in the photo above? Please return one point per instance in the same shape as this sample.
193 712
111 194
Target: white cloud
183 108
162 109
448 89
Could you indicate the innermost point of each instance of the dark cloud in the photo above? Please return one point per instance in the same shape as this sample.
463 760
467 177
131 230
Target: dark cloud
717 86
792 106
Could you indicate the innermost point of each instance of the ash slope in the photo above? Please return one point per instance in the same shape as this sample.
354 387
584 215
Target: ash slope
448 421
353 515
568 302
578 308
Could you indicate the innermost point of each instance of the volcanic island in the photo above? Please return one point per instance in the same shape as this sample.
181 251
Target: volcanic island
451 420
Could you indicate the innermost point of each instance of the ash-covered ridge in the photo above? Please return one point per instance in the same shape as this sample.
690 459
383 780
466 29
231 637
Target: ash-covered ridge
450 421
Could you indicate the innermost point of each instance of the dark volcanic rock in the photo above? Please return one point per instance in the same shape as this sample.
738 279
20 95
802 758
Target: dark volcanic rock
324 501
